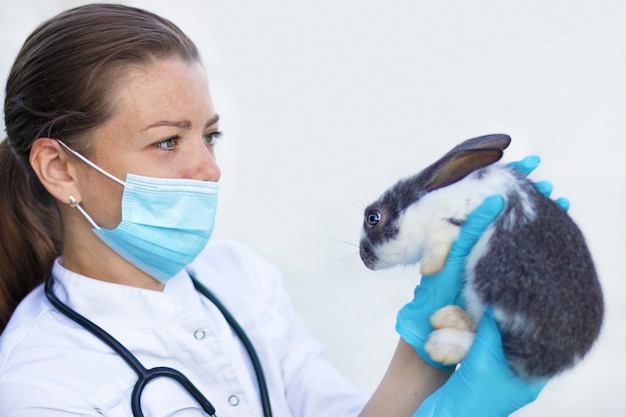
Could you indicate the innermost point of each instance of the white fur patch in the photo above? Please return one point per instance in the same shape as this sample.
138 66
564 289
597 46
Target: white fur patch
517 322
449 346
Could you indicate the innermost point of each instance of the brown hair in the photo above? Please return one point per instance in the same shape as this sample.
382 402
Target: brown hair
60 87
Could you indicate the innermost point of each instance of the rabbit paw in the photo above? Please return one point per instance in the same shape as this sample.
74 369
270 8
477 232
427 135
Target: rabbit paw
449 346
434 258
451 316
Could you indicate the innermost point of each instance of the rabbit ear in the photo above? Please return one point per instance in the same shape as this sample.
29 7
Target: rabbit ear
495 141
466 158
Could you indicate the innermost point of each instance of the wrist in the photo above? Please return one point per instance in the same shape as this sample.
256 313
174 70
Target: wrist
405 385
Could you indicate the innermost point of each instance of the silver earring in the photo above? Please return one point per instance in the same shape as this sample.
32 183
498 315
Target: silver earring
73 202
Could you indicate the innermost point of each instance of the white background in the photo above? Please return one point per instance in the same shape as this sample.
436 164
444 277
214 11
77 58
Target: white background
326 103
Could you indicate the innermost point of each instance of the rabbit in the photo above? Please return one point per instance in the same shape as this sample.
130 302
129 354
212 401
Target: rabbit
531 266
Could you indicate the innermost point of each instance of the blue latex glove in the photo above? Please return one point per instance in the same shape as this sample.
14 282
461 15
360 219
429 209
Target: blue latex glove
484 385
444 288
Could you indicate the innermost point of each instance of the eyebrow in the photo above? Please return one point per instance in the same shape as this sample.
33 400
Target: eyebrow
182 124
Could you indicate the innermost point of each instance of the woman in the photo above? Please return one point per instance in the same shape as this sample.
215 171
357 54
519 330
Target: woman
109 186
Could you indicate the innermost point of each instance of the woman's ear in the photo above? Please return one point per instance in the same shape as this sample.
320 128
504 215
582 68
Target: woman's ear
55 169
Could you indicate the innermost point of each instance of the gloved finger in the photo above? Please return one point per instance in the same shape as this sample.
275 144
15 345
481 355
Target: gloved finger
544 187
562 202
489 334
475 224
526 165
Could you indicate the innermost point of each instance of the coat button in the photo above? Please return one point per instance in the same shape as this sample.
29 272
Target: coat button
233 400
199 334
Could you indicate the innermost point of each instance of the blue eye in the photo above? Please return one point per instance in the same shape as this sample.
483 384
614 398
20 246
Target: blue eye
373 218
211 138
167 144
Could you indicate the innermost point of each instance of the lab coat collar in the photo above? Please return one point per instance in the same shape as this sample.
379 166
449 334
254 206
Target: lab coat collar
125 306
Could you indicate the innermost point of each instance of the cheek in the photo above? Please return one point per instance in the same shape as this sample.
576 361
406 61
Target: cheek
102 200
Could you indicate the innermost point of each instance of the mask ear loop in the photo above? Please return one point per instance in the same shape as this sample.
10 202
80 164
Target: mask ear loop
91 164
73 203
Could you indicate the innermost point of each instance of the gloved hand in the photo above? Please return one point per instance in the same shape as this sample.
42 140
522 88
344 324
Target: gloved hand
443 288
484 385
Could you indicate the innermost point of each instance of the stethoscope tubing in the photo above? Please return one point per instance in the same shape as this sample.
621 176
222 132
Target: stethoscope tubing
144 375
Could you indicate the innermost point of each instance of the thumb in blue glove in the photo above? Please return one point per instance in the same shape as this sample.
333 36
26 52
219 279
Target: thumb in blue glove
483 385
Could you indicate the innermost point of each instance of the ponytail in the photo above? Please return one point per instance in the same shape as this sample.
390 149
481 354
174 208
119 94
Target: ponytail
30 231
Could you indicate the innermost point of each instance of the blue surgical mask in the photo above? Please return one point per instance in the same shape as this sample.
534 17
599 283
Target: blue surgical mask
165 222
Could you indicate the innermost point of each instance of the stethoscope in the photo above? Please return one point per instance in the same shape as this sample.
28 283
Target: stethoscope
145 376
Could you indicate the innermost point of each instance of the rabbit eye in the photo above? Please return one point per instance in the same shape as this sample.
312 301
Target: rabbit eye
373 219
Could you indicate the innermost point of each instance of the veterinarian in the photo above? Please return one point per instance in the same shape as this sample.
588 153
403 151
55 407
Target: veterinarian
112 300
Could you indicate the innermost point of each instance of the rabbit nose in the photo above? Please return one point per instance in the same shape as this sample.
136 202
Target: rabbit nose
367 254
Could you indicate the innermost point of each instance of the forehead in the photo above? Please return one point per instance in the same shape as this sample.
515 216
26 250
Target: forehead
169 88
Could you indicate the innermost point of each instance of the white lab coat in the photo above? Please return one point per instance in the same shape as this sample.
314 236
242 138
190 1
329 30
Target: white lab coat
49 366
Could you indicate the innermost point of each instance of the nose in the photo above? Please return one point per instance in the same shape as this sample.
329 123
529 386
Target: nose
201 163
366 251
